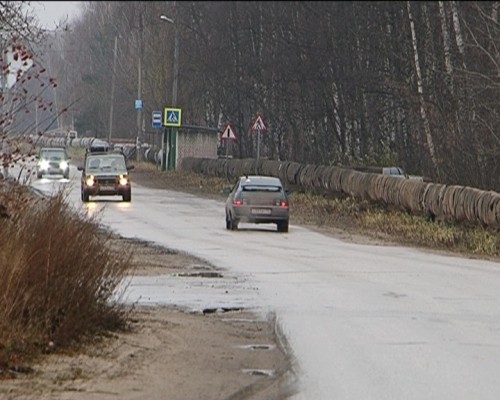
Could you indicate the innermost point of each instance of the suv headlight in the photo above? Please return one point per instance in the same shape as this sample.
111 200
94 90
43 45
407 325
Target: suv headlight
44 164
63 165
123 180
90 180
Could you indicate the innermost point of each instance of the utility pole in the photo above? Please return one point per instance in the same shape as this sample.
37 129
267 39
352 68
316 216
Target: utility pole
4 107
54 89
176 58
113 79
173 136
139 90
169 135
3 79
5 148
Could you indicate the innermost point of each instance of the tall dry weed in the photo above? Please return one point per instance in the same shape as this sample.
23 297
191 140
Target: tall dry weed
58 277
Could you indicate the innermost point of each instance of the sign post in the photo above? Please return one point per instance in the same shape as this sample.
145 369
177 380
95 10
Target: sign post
171 121
138 106
157 123
258 126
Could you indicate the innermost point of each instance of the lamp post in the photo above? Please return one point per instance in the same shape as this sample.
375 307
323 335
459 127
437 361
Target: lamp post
113 80
139 92
173 131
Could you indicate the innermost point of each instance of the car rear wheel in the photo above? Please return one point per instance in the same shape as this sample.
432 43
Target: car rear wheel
231 224
282 226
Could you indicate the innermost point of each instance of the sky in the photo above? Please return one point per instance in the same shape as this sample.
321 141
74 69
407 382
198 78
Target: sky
50 13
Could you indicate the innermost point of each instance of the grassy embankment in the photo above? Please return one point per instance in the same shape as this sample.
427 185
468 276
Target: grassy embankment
57 279
348 214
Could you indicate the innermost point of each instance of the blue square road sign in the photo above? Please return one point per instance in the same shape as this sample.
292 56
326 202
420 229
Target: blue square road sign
157 119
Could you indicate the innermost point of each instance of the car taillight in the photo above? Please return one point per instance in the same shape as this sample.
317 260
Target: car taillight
238 202
284 203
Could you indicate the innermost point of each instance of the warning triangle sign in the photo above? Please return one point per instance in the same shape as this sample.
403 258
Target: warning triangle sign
228 133
259 124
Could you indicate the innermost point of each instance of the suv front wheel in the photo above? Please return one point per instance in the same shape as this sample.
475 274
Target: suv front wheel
127 197
85 196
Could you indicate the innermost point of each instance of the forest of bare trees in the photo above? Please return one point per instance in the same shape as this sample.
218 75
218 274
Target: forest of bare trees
412 84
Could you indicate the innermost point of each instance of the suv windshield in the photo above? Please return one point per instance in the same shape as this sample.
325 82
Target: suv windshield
106 163
53 155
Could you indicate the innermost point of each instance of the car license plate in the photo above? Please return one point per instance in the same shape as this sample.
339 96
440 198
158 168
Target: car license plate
106 187
261 211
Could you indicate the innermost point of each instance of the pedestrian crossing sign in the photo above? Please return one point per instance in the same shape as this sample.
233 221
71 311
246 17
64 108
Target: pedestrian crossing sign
259 124
172 117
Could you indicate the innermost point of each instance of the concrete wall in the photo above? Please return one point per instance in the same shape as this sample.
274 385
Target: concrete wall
196 144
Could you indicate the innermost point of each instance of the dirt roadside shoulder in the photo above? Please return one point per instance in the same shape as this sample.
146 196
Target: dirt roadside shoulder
168 353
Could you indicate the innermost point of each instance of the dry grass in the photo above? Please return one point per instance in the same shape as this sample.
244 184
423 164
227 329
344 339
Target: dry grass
419 231
393 226
57 279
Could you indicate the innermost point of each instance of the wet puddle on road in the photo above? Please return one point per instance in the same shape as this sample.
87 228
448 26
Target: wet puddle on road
259 372
199 291
257 347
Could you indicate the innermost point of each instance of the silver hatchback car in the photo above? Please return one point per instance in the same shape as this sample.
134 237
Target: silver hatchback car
259 200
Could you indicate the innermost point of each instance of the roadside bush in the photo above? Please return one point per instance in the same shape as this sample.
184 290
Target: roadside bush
58 278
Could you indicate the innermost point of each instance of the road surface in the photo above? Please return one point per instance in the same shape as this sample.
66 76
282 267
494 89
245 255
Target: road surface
364 322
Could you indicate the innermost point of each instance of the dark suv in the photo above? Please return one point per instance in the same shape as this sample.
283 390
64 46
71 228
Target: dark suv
105 174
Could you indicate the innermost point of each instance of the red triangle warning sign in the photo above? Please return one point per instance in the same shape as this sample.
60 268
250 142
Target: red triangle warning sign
228 133
259 124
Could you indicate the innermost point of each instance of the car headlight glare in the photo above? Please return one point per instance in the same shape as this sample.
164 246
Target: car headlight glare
123 180
63 165
90 180
44 164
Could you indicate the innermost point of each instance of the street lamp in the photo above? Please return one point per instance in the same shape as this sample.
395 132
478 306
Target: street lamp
176 57
165 18
139 92
173 137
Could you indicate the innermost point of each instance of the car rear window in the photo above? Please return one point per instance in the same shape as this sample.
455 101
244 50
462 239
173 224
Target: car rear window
261 188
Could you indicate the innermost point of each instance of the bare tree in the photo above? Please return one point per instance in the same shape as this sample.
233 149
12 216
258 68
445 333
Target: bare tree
339 83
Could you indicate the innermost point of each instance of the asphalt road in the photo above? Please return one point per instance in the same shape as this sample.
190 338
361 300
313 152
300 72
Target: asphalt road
364 322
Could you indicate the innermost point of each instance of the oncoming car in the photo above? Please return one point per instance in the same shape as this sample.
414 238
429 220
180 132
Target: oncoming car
52 161
105 174
259 200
